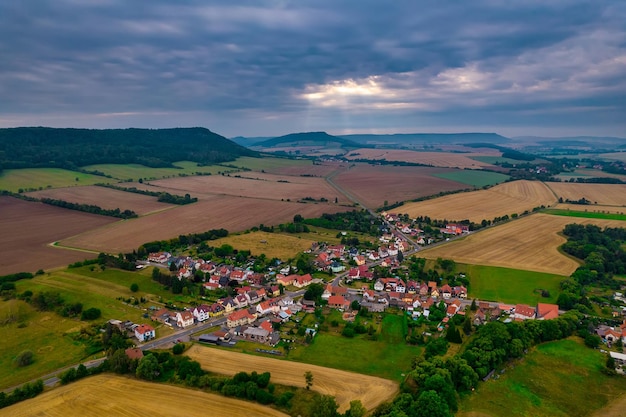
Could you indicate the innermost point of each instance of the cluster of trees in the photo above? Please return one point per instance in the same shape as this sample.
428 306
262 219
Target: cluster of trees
356 221
26 391
90 208
179 242
161 196
72 148
52 301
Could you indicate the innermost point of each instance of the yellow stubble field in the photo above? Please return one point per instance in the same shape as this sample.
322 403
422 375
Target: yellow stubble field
530 243
507 198
436 159
344 386
602 194
113 395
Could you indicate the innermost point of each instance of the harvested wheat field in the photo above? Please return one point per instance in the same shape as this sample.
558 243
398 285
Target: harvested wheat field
273 245
602 194
436 159
113 395
372 185
28 228
344 386
530 243
507 198
317 170
253 185
231 213
106 198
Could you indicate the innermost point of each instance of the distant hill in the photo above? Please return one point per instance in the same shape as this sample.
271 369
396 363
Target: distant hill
427 138
251 141
27 147
588 142
308 139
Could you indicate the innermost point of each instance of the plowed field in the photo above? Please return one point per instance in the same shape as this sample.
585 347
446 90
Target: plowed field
508 198
112 395
344 386
437 159
529 243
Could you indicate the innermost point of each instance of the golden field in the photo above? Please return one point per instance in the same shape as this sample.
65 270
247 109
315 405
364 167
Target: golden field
113 395
602 194
344 386
530 243
507 198
436 159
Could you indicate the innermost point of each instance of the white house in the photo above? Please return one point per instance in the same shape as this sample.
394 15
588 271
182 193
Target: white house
144 332
201 312
184 319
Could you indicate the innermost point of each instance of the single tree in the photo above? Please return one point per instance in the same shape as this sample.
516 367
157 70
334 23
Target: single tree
148 368
134 287
25 358
308 378
356 409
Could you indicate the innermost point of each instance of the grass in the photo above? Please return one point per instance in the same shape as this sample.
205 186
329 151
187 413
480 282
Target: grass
40 178
511 285
281 246
586 214
474 178
389 357
135 171
496 159
559 378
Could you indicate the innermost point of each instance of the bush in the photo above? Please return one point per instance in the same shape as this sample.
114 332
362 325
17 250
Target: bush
134 287
25 358
178 348
91 314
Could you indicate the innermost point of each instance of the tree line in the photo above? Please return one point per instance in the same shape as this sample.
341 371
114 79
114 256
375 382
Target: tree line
91 208
162 196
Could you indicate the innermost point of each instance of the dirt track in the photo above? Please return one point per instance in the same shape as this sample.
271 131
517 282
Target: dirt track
345 386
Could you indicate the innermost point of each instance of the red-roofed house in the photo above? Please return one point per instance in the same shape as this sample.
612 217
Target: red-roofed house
302 280
267 325
239 318
524 312
338 301
184 319
144 332
547 311
285 280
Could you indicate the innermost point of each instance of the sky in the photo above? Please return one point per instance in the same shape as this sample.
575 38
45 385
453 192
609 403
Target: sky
268 68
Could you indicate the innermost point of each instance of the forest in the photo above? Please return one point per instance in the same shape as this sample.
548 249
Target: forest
43 147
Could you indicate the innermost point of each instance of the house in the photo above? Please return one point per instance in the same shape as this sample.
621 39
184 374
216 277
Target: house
229 304
274 291
134 353
446 291
216 309
240 318
253 297
163 315
285 279
241 301
547 311
256 334
353 273
302 280
524 312
374 256
266 307
201 312
338 301
144 332
184 319
331 290
159 257
238 275
336 267
308 306
459 291
360 260
267 325
379 285
211 286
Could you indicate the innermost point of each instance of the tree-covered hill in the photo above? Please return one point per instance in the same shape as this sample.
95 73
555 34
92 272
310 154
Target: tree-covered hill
26 147
308 138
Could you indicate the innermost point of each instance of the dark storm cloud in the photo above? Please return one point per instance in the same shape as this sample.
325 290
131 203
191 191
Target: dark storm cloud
271 67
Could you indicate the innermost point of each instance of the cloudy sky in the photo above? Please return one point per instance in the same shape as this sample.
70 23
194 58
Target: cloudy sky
264 68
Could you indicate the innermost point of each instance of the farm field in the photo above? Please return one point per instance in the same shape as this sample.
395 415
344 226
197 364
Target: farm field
273 245
530 243
436 159
618 156
508 198
269 164
317 170
345 386
601 194
43 333
228 212
474 178
254 185
39 178
561 378
586 214
592 208
494 159
30 227
106 198
511 286
372 185
109 395
135 171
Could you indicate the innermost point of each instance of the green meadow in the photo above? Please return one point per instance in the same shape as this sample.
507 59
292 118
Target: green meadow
135 171
586 214
32 179
496 160
473 177
556 379
511 285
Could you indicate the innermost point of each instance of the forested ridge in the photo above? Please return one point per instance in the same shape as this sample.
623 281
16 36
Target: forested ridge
28 147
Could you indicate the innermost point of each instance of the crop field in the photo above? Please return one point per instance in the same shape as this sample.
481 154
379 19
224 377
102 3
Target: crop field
254 185
617 156
268 164
494 159
231 213
436 159
561 378
273 245
474 178
530 243
344 386
373 185
602 194
28 229
317 170
39 178
587 214
114 395
106 198
512 285
135 171
508 198
592 209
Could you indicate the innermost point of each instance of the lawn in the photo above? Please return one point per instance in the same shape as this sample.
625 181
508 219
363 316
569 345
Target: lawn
389 357
136 171
511 285
32 179
559 378
473 177
586 214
